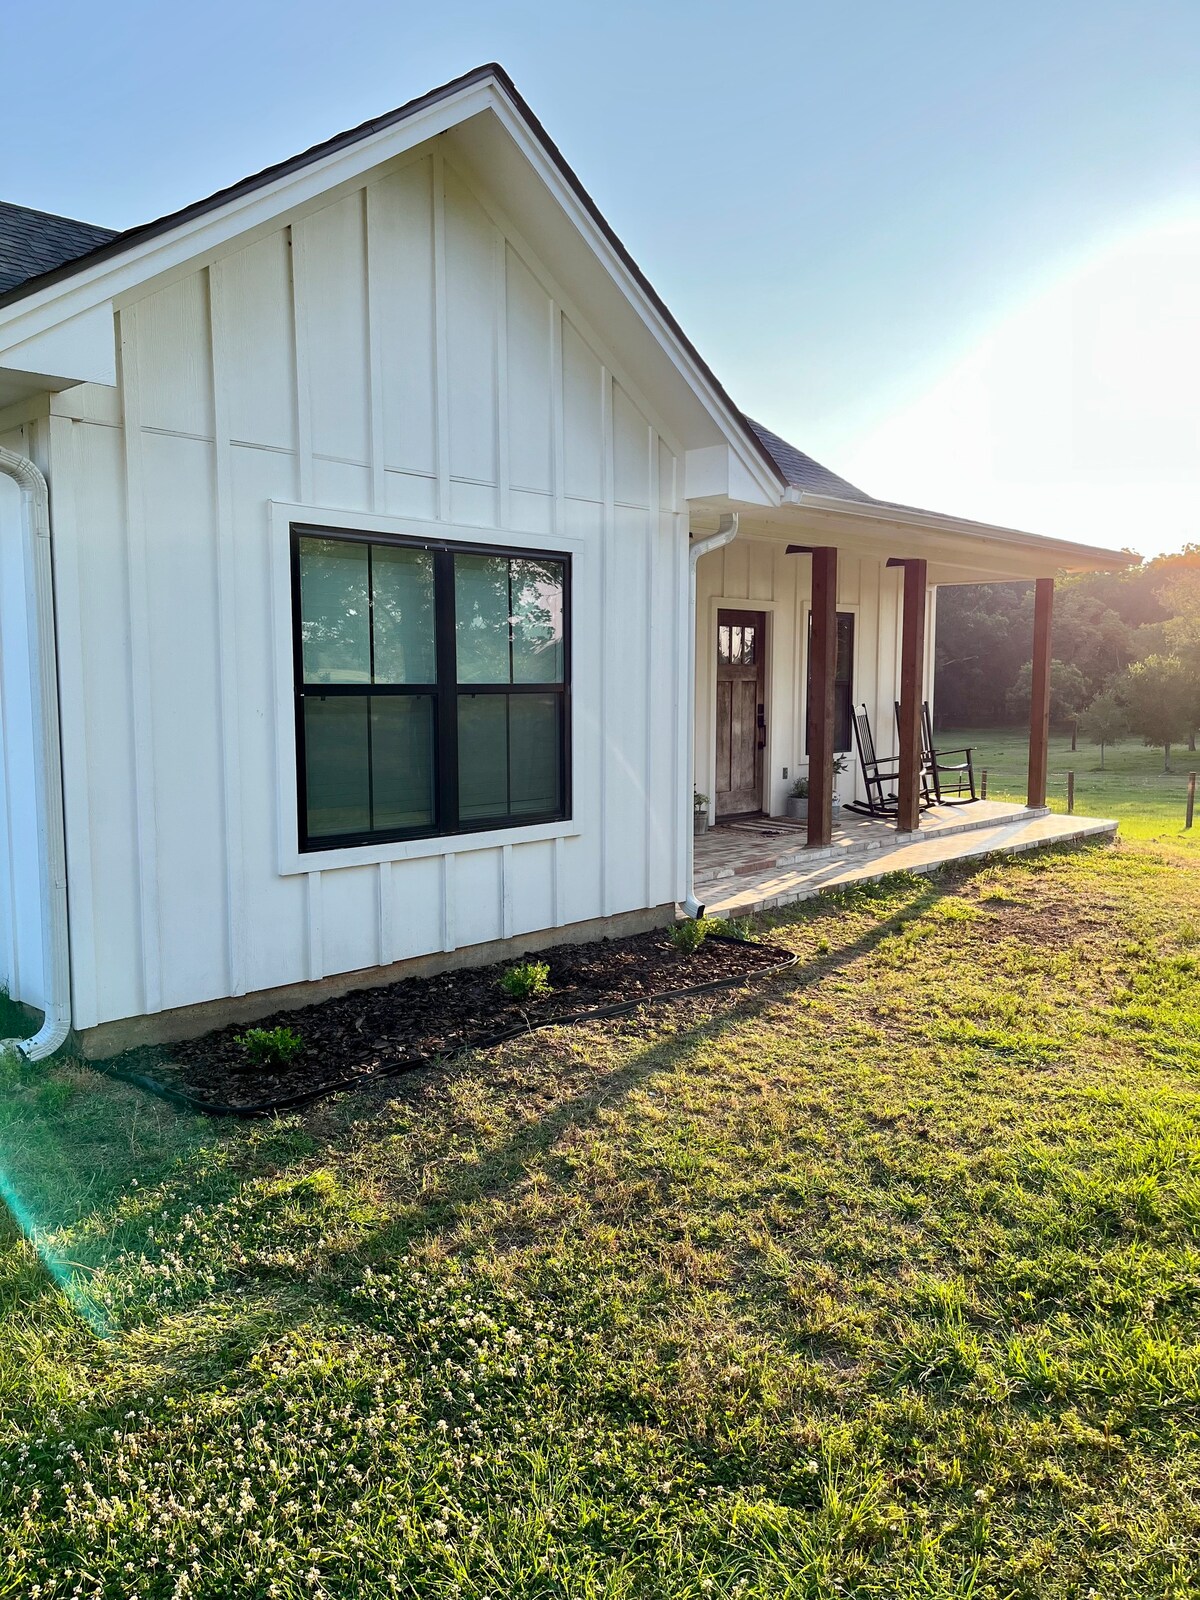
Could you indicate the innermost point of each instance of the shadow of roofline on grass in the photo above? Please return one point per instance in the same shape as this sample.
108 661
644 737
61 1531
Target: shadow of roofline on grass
505 1166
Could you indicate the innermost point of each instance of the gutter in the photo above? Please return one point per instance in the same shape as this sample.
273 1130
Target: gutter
726 533
47 762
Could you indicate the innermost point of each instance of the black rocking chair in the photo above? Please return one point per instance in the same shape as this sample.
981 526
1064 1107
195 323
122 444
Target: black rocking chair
949 781
879 775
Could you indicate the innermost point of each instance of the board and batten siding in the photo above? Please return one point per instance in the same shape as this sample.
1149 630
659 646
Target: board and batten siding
394 353
757 573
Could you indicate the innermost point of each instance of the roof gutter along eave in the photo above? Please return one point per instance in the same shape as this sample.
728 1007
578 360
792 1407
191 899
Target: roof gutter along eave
1088 557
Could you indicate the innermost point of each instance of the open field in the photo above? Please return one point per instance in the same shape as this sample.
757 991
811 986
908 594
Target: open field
879 1280
1148 802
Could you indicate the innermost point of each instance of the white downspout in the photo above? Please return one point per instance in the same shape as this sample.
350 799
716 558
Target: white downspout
725 534
47 762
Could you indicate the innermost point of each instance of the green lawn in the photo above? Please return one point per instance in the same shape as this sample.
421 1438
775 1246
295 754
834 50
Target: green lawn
881 1279
1148 802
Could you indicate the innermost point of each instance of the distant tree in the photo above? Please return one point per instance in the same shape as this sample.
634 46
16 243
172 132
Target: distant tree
1068 691
1104 722
1159 694
983 635
1090 635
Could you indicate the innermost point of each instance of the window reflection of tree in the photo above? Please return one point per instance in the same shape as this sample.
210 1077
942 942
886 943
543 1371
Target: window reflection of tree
510 613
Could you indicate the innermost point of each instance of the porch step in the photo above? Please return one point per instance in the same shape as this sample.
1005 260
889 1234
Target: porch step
869 834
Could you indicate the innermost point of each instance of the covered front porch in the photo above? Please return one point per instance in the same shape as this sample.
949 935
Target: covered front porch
756 864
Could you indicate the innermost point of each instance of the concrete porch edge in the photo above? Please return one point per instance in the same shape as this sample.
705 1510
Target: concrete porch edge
788 884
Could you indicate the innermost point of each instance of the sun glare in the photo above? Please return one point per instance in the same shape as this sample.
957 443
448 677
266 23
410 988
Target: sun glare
1078 415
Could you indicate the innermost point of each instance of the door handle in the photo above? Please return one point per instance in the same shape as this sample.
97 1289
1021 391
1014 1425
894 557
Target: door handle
762 729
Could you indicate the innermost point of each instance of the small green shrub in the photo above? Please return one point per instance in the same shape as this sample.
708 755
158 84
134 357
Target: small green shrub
529 980
271 1047
740 928
687 937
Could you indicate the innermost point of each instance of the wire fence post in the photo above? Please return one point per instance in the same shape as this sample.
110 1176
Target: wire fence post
983 784
1070 792
1191 805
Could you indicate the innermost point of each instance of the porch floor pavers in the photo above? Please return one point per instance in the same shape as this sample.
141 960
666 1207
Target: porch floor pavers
800 874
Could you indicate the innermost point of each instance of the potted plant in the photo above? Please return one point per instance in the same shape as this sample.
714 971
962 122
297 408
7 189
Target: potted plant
699 811
840 763
797 800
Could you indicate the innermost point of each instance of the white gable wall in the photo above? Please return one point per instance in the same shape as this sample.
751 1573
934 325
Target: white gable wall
390 354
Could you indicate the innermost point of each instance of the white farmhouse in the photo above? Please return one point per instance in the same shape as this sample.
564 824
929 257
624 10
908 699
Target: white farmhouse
382 571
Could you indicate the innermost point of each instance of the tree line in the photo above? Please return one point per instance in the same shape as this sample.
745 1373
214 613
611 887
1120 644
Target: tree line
1126 653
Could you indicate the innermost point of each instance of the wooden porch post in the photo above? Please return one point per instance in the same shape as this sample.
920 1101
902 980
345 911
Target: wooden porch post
912 665
822 669
1039 702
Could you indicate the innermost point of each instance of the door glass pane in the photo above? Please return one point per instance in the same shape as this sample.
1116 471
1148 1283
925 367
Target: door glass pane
482 756
723 643
534 753
402 591
402 760
334 611
336 772
748 641
482 610
537 621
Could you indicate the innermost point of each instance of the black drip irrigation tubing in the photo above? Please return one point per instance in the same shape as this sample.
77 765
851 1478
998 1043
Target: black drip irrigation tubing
293 1102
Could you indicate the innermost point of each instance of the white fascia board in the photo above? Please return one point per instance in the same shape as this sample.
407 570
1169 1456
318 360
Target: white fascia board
211 232
80 350
1059 552
768 482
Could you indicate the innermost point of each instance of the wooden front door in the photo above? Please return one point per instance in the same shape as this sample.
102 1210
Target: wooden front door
741 711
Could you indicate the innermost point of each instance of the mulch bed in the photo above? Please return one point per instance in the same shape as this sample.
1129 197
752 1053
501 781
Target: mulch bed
370 1032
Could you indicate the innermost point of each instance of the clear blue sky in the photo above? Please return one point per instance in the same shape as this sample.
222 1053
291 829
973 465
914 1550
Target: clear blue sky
841 202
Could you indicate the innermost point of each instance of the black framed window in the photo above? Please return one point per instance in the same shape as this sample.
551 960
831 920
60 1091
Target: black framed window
431 687
843 681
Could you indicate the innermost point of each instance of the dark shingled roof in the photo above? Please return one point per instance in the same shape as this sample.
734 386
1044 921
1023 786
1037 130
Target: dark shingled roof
33 242
801 471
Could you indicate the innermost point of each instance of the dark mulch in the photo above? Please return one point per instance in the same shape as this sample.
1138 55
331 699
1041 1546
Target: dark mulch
363 1033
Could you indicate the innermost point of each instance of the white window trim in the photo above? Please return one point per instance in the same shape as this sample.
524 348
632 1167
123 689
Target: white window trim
292 860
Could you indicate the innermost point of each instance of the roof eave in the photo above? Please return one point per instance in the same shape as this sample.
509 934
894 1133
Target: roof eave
1070 555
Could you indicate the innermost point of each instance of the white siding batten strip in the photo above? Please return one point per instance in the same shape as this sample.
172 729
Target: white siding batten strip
64 458
557 418
557 868
227 647
375 346
304 450
142 666
316 933
441 375
500 279
607 588
652 799
506 891
387 945
448 928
